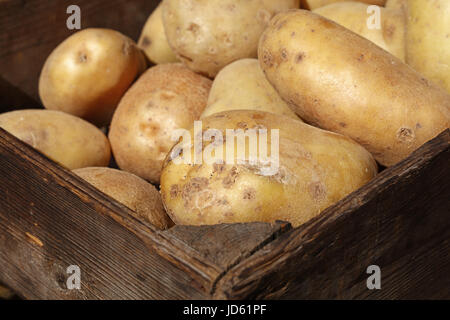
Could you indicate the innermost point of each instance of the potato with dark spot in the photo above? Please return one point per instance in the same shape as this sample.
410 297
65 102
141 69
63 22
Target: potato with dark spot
165 98
243 85
68 140
315 168
314 4
428 39
208 35
153 41
354 16
346 84
133 192
88 73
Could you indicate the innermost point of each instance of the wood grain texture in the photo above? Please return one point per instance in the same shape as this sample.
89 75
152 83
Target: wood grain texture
31 29
399 221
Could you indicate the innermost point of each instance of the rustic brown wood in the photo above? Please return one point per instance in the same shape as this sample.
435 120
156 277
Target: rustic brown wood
30 30
399 221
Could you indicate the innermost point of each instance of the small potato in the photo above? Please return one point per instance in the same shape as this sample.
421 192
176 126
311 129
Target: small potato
428 39
165 98
315 169
208 35
314 4
243 85
354 16
153 40
130 190
66 139
88 73
341 82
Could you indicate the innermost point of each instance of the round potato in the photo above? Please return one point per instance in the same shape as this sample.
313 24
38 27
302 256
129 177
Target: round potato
243 85
354 16
66 139
135 193
165 98
88 73
428 39
309 169
153 40
314 4
208 35
344 83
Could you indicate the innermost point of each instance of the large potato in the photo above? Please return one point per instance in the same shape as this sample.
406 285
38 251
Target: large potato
243 85
66 139
135 193
208 35
153 40
314 4
354 16
88 73
316 168
428 39
165 98
342 82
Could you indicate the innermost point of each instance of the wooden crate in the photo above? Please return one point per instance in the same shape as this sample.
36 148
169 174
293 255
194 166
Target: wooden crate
51 219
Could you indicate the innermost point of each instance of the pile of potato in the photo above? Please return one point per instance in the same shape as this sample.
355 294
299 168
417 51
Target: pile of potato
341 96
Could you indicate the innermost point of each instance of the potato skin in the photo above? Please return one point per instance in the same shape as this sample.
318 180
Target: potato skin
243 85
396 4
153 40
428 39
314 4
207 35
344 83
130 190
88 73
316 169
165 98
66 139
354 16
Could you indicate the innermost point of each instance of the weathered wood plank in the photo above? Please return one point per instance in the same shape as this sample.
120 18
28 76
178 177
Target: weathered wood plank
399 221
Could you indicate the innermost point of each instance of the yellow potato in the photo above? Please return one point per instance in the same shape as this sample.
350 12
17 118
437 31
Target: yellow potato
88 73
428 39
243 85
396 4
314 4
66 139
341 82
165 98
153 40
133 192
355 16
316 168
208 35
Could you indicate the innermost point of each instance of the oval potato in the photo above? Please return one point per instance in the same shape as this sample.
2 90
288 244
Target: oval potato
314 4
153 41
344 83
316 168
243 85
66 139
208 35
88 73
354 16
133 192
165 98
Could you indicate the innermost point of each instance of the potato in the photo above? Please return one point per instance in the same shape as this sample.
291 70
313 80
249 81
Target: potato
341 82
208 35
396 4
243 85
165 98
314 4
354 16
428 39
66 139
88 73
133 192
153 40
316 168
